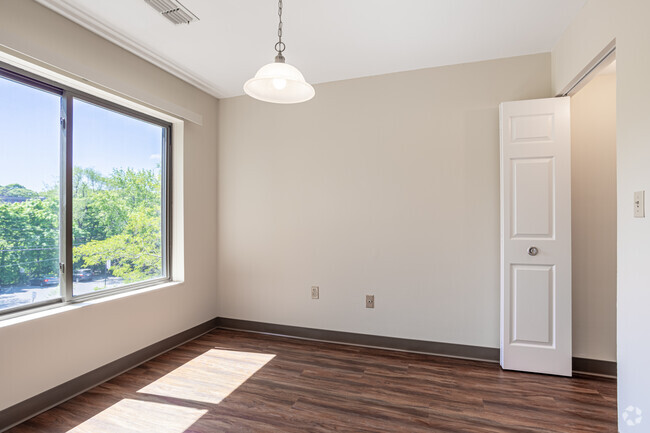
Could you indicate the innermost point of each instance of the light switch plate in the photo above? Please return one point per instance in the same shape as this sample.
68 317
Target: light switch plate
639 204
315 292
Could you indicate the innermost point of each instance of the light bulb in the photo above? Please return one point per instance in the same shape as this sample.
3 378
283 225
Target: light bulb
279 83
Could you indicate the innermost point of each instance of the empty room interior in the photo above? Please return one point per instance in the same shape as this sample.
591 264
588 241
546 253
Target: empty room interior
324 216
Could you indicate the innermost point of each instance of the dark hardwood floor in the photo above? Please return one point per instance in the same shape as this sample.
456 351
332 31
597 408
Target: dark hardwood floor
228 381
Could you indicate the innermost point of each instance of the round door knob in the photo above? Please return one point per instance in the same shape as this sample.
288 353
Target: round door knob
532 251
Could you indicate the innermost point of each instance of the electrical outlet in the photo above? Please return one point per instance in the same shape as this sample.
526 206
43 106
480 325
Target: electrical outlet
315 292
370 301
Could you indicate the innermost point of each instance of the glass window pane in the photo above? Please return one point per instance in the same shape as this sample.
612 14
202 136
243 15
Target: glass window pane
117 219
29 194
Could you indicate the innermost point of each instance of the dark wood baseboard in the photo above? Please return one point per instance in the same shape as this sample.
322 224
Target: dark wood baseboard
594 367
490 354
33 406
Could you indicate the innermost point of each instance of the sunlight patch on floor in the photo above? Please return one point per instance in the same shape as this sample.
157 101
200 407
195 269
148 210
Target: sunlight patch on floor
137 416
210 377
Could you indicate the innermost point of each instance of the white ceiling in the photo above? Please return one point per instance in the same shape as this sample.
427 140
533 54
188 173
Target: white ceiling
327 40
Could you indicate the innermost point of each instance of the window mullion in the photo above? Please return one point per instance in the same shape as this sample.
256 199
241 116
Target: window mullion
121 226
66 197
166 202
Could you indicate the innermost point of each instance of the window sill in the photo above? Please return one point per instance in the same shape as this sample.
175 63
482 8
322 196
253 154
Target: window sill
61 308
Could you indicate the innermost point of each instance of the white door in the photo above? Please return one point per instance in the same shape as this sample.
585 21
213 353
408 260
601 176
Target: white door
536 236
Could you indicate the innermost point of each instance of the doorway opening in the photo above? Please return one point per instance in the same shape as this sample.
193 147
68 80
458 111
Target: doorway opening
593 210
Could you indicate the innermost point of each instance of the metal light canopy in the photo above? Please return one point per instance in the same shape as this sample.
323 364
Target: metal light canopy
279 82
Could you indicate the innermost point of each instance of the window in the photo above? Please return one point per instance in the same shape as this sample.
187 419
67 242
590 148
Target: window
109 164
29 193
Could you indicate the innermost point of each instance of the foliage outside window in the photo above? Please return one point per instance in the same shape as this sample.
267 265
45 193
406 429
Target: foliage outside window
118 170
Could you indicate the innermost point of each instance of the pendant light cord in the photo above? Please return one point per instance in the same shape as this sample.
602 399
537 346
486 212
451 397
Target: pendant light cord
279 46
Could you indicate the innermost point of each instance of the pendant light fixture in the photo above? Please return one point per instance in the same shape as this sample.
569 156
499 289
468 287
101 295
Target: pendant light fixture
279 82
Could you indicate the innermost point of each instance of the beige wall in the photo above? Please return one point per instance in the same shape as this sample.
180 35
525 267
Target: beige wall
39 354
598 22
387 185
593 213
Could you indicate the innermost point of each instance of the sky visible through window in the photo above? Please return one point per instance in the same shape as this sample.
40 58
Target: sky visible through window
29 121
117 214
29 143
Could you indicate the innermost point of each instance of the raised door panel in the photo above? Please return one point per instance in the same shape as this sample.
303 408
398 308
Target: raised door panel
533 300
532 128
533 190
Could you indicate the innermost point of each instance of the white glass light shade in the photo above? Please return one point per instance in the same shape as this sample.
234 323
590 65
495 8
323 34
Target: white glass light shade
280 83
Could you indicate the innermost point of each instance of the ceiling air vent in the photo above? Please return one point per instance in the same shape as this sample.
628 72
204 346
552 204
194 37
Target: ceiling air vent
173 10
